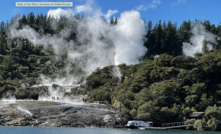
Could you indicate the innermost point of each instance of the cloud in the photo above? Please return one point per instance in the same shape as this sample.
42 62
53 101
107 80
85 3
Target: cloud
87 8
178 2
84 8
109 14
16 11
153 5
142 8
59 12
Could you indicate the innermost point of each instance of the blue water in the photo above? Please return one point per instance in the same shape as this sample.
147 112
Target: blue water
38 130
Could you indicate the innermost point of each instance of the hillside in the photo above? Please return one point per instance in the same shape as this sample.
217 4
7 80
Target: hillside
162 90
163 76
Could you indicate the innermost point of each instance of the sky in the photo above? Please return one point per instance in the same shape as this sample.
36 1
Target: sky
176 11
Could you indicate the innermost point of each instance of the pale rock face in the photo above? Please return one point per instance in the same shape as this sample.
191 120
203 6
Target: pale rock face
55 114
107 118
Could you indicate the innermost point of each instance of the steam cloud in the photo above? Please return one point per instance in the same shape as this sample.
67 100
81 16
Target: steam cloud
26 111
101 44
199 33
116 72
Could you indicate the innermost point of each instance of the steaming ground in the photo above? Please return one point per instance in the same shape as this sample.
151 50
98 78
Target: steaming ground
98 44
58 98
24 108
199 33
55 114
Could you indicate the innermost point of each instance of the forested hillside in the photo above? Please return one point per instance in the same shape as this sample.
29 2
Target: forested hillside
161 89
165 89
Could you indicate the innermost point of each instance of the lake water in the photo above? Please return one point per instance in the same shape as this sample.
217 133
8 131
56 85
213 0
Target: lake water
39 130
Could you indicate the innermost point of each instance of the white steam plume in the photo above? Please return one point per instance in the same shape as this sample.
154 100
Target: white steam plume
99 44
155 56
26 111
128 39
109 14
116 72
199 33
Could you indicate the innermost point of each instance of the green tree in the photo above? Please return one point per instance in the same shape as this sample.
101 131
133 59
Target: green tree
207 25
173 46
184 31
23 21
30 18
205 48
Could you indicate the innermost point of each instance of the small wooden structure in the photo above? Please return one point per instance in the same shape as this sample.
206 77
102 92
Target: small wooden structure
172 124
153 128
196 115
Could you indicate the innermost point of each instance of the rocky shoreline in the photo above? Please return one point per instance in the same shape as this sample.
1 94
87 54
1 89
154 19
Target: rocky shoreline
56 114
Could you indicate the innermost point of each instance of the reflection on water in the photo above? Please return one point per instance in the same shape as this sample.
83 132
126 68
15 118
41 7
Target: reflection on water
38 130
